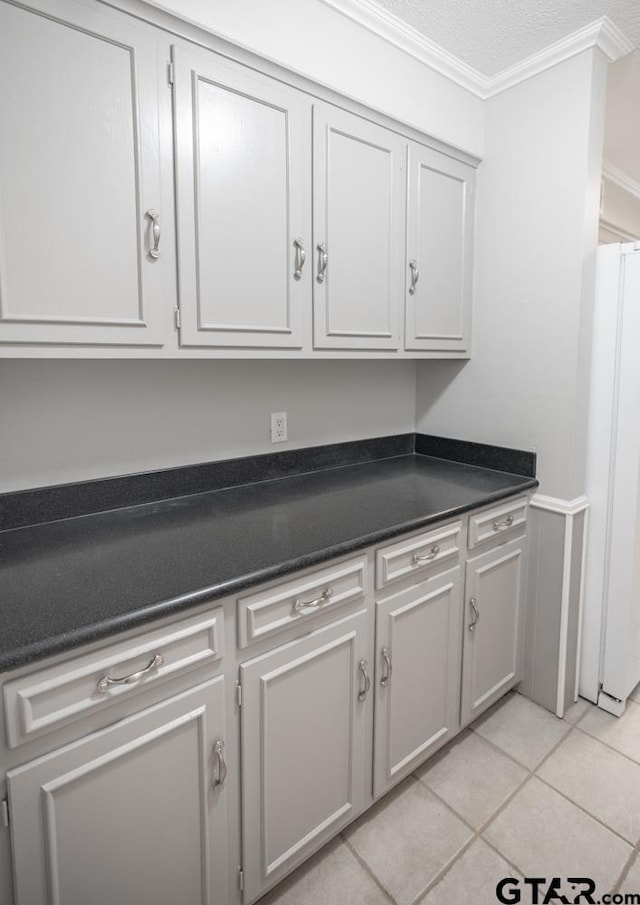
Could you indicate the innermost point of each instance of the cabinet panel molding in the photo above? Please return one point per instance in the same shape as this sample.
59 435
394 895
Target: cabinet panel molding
79 177
418 655
492 655
359 203
304 748
439 265
243 199
127 814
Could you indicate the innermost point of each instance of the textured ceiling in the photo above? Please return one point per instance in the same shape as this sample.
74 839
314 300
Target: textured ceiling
492 35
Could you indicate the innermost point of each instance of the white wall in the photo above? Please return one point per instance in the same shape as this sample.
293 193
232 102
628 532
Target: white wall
316 41
620 210
75 420
537 217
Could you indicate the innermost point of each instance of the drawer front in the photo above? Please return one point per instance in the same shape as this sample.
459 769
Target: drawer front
299 600
50 698
508 518
429 551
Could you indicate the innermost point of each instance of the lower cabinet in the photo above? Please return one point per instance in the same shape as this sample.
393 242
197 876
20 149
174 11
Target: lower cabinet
493 626
126 801
304 747
418 675
134 813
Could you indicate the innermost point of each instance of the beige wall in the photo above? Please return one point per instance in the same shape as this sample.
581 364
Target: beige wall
75 420
316 41
537 217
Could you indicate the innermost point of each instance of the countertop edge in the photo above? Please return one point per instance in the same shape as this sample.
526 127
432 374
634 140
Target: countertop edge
63 643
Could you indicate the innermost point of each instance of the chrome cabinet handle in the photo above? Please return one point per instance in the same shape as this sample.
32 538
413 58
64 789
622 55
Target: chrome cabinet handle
218 750
300 258
425 557
106 682
386 675
155 229
300 605
499 524
415 276
323 260
362 694
473 603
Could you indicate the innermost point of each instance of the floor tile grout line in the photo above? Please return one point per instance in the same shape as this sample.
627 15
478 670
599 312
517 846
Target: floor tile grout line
512 864
507 801
446 804
607 745
442 873
487 820
368 870
585 811
625 870
500 750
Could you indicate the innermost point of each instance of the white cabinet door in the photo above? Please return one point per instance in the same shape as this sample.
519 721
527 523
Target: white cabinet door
243 201
79 172
491 655
418 653
358 231
306 764
128 814
440 226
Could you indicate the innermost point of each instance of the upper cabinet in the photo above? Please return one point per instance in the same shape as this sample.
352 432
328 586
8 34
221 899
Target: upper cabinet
242 144
80 218
172 199
358 231
440 221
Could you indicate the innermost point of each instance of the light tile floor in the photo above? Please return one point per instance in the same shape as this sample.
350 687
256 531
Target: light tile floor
519 794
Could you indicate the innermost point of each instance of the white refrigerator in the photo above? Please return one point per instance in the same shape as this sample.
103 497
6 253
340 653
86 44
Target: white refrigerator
610 655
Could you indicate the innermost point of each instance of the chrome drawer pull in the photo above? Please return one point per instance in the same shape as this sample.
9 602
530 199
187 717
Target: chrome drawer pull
323 260
300 605
362 666
155 230
300 258
218 750
415 276
499 524
386 675
473 603
106 682
433 552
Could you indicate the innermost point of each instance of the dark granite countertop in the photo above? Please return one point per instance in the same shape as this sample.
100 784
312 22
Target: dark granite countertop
80 579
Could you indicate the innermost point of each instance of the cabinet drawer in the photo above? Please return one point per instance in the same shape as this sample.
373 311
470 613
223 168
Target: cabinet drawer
504 519
53 697
418 554
278 608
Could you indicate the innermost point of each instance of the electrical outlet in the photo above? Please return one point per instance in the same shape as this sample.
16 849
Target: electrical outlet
278 427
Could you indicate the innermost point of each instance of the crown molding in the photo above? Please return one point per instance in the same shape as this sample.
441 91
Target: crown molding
618 177
394 31
601 33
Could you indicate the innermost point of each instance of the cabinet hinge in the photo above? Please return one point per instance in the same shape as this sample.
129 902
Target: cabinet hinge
6 820
178 320
239 693
171 72
241 879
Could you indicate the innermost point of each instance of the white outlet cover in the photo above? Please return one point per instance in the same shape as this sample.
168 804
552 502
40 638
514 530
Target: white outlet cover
278 427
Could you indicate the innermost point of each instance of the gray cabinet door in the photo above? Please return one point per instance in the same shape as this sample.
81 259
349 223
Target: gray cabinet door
493 627
130 814
440 226
418 651
305 753
79 170
358 223
243 176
